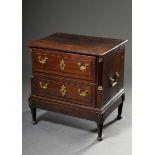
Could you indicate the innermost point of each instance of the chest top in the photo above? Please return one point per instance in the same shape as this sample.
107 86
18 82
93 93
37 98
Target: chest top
88 45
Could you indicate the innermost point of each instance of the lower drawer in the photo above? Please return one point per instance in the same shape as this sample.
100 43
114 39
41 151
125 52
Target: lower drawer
64 89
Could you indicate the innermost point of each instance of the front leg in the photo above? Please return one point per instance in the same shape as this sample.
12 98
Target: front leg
99 126
99 130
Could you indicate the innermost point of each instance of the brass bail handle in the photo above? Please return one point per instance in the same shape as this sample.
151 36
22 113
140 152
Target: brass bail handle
43 85
114 79
82 68
63 90
82 93
42 60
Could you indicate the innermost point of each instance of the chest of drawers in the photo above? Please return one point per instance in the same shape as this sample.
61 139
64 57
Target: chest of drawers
78 75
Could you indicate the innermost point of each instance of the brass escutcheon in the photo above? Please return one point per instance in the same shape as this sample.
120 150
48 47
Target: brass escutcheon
62 65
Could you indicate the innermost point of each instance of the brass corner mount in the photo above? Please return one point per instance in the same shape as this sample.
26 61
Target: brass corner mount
100 59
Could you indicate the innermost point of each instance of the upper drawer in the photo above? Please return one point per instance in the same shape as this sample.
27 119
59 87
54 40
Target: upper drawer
66 64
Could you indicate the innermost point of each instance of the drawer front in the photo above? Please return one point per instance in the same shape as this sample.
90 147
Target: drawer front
66 64
62 89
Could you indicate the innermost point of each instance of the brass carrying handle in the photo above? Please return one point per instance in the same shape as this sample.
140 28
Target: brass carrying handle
62 65
82 68
63 90
43 85
42 60
114 79
82 93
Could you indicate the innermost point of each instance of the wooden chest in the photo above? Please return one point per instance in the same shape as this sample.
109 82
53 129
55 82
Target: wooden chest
78 75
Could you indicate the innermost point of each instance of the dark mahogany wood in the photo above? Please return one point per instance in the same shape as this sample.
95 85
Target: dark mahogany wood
90 85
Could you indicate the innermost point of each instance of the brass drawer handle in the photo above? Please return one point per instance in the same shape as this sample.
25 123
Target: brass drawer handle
42 60
114 79
62 65
82 93
63 90
43 85
82 68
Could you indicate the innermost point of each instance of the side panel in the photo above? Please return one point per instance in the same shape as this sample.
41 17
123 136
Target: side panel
113 73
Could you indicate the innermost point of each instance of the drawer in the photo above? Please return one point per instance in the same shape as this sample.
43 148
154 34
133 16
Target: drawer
66 64
63 89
